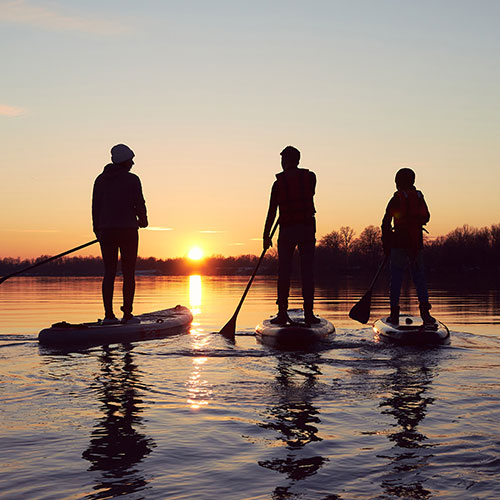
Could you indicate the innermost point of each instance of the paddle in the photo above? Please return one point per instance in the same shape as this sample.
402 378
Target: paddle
47 260
229 328
361 310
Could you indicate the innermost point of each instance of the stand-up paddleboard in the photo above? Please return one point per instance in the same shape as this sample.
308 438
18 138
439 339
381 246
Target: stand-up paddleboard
296 333
152 325
411 331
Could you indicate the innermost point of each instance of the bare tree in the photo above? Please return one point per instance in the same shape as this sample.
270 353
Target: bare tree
368 246
331 241
346 238
369 240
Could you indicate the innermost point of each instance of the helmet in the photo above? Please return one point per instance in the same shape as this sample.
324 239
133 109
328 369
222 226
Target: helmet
405 178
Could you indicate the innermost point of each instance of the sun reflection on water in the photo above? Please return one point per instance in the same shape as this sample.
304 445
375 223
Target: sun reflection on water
195 294
198 389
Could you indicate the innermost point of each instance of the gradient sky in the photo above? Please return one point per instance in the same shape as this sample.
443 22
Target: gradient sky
207 93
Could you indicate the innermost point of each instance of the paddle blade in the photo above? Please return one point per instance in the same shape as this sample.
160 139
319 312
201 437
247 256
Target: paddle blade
361 310
229 329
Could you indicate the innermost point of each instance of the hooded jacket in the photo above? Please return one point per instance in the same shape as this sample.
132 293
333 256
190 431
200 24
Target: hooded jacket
117 200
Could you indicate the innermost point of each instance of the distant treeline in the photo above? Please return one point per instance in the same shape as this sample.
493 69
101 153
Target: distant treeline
465 250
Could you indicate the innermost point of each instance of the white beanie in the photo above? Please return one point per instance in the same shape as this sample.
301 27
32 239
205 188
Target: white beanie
121 153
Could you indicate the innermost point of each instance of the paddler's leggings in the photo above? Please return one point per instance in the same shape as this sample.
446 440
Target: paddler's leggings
125 240
400 260
303 237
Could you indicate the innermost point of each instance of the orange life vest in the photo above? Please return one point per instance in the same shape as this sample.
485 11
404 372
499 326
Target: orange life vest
295 196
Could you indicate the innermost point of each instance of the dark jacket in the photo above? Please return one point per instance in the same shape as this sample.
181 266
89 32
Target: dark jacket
293 192
409 212
117 200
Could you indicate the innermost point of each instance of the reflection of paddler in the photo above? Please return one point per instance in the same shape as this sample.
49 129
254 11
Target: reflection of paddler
408 402
293 193
116 446
295 418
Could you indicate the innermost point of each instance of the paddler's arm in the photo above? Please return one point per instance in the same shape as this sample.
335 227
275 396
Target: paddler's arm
140 206
313 182
387 232
96 206
424 214
271 215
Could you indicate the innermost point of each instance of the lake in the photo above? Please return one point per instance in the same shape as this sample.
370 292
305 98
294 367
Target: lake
195 416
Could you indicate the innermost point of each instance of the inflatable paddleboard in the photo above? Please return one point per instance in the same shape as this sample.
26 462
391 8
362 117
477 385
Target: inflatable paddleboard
411 331
152 325
294 334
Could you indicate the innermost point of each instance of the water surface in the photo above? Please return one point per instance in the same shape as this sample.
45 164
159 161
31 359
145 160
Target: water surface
196 416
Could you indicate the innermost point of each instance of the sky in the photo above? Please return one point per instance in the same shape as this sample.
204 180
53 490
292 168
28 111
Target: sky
207 94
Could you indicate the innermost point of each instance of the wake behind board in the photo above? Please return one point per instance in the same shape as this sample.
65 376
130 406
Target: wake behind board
296 334
152 325
411 331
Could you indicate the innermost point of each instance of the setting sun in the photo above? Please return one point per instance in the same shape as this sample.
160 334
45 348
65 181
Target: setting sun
195 253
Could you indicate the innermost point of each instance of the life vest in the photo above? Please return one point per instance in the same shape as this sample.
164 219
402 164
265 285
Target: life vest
409 217
295 196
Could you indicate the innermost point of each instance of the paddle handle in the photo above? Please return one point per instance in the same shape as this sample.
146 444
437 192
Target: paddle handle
47 260
255 271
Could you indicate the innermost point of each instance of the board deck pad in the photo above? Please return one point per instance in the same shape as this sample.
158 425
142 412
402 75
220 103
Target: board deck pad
296 333
157 324
411 331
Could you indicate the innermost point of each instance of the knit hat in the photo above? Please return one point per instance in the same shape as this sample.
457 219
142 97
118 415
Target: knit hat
121 153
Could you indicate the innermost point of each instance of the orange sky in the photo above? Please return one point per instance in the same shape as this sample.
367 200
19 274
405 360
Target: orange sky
207 99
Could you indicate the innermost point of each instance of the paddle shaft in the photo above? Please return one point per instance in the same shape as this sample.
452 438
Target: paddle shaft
375 278
254 272
47 260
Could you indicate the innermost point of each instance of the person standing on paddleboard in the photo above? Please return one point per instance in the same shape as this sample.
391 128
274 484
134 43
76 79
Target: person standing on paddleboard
404 242
293 193
118 210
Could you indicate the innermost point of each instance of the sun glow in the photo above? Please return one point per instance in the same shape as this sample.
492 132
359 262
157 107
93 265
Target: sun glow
195 253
